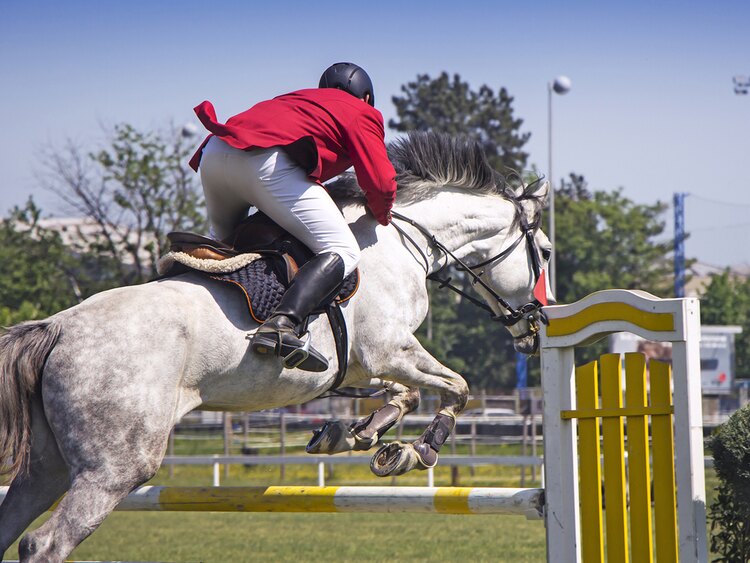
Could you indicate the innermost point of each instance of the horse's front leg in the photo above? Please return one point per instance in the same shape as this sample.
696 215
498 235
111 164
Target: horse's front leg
413 366
336 437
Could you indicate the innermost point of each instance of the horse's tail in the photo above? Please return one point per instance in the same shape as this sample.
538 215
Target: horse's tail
23 351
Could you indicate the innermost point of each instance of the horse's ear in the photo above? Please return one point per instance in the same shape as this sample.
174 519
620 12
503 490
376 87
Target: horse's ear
542 192
538 190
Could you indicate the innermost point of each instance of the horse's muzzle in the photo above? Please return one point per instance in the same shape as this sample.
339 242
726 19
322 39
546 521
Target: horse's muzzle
527 344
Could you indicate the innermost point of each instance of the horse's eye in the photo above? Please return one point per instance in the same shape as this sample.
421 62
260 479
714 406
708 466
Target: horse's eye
546 253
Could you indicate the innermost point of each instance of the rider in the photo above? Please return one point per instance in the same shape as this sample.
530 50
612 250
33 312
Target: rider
274 156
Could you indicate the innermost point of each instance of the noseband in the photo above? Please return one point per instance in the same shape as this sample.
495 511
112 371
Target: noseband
514 315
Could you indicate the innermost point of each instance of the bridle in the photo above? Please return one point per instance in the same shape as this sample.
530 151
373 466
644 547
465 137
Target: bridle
513 315
531 312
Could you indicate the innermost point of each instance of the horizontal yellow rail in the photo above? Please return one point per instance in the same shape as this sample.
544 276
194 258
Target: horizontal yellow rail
609 413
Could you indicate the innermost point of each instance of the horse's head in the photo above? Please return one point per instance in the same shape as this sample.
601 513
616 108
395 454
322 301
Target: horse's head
491 223
515 268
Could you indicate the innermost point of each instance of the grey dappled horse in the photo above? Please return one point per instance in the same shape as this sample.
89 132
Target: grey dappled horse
88 396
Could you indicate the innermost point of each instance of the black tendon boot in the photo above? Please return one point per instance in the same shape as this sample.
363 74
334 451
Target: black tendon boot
316 283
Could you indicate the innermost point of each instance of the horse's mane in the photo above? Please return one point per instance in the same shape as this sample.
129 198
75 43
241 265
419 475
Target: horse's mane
425 161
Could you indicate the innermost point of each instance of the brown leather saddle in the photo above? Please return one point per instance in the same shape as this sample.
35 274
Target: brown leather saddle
257 234
264 280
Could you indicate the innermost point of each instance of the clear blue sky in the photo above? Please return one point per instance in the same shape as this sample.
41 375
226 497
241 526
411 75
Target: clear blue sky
652 109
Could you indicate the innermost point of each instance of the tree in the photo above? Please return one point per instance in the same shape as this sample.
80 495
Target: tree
726 301
605 240
451 106
729 513
132 191
37 273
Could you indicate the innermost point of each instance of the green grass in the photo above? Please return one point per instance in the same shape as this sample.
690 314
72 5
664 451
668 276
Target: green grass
313 537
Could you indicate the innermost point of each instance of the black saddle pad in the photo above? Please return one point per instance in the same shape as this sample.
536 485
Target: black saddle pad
263 286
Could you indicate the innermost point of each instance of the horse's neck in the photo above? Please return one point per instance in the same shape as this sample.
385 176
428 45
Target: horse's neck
464 223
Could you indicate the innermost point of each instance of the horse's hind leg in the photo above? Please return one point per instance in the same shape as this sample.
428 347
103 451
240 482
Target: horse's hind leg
89 501
335 437
29 495
103 471
111 448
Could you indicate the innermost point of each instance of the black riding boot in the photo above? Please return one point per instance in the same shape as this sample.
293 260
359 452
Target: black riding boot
315 285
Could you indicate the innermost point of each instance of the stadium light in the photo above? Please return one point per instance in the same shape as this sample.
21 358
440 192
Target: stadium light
741 84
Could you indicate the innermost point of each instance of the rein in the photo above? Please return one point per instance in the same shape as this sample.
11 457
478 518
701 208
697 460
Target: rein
514 315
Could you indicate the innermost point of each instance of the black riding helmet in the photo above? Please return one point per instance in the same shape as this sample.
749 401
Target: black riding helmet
349 78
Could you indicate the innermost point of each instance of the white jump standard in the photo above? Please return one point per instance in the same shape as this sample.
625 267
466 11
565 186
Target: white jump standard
584 322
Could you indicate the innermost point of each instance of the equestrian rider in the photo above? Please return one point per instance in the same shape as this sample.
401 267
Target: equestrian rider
274 156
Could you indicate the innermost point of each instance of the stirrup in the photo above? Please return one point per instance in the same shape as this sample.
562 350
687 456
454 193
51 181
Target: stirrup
293 355
297 355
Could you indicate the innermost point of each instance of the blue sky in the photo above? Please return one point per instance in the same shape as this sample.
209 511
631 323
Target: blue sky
652 109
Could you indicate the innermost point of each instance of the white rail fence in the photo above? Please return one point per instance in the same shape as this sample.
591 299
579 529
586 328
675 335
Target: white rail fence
321 461
216 461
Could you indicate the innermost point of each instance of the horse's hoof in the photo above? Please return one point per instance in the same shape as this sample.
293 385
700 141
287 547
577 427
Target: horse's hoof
393 459
333 438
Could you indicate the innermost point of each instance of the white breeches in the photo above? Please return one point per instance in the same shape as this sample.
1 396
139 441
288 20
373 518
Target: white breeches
234 180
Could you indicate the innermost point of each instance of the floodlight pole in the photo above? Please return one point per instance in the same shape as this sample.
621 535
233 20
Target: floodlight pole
679 244
560 85
552 268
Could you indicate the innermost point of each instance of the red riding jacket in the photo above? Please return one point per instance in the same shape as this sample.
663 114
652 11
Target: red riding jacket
324 130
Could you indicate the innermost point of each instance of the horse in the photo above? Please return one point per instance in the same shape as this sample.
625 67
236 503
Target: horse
88 396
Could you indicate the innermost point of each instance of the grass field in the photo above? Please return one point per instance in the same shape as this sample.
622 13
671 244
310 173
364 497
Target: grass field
217 537
319 537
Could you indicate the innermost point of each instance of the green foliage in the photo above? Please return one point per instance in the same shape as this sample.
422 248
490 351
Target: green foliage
130 193
37 274
134 191
726 301
451 106
26 311
729 513
605 240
